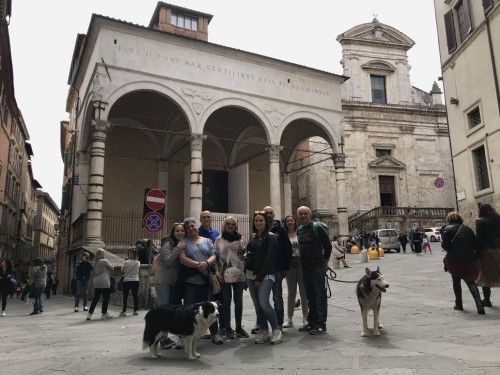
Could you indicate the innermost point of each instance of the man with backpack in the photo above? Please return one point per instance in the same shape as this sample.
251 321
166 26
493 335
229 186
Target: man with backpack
83 271
315 250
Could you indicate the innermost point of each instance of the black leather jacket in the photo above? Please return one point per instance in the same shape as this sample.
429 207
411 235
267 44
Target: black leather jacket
261 255
459 242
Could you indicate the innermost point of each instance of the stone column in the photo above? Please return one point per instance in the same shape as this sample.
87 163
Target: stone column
196 180
274 180
163 174
339 162
287 194
93 232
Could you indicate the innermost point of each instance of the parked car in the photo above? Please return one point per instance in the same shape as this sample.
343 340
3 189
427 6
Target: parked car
434 234
388 239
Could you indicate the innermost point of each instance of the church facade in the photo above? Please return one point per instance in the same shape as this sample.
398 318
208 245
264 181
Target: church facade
395 138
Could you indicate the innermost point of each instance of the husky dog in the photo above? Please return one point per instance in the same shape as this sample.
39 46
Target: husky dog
189 323
369 292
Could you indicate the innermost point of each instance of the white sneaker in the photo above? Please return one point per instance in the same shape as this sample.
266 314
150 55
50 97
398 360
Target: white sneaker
262 337
76 309
276 337
89 316
122 314
106 316
288 324
85 308
3 313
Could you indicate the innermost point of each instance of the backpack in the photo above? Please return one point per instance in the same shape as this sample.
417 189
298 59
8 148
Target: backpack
323 226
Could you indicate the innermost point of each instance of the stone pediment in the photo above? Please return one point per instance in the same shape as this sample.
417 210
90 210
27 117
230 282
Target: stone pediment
387 162
376 33
379 65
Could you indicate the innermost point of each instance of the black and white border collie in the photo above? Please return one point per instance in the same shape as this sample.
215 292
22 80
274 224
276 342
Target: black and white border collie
189 323
369 291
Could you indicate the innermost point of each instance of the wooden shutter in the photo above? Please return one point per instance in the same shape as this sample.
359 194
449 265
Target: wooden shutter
487 4
449 25
467 20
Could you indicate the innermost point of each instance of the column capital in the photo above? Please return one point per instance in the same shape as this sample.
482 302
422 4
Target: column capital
99 129
274 153
197 141
339 160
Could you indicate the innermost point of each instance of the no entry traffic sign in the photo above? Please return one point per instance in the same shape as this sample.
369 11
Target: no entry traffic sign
153 221
155 199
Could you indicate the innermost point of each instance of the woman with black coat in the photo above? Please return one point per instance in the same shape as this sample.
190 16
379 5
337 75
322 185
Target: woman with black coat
459 242
260 267
488 246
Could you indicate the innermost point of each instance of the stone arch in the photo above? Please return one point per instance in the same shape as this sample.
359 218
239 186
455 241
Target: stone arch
143 129
156 88
242 104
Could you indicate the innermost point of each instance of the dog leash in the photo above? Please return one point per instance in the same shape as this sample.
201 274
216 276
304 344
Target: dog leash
332 275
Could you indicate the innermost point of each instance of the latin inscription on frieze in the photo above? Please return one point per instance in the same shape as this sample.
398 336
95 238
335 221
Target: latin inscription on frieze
227 72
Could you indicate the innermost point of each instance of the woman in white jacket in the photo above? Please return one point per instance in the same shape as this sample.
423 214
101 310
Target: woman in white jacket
102 284
130 273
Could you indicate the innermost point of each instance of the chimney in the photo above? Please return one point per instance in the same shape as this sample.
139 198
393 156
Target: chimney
180 21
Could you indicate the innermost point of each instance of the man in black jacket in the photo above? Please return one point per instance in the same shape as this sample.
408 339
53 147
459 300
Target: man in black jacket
315 250
283 262
83 271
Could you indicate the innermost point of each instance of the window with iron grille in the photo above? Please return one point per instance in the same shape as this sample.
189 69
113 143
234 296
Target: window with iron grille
379 152
481 168
378 89
474 117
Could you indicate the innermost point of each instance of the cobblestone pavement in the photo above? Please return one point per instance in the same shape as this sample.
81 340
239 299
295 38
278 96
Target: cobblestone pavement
422 335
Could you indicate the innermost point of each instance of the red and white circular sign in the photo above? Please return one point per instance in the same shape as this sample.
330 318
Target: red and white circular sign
155 199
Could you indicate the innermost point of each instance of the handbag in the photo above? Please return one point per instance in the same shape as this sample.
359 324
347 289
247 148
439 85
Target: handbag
112 284
119 286
214 284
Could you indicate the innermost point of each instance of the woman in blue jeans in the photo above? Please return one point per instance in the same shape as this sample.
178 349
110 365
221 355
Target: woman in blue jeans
165 279
230 270
260 260
197 259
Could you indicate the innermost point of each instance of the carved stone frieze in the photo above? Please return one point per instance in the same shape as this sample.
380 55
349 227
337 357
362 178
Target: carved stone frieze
199 98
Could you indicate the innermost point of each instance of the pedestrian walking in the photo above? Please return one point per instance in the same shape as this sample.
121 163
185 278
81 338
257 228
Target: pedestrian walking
416 240
197 259
283 261
403 240
38 276
6 284
426 246
102 284
167 275
315 250
488 246
230 269
130 273
260 265
459 242
339 252
55 284
294 276
83 271
49 284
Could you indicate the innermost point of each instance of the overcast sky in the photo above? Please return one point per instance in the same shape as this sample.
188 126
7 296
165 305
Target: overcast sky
43 34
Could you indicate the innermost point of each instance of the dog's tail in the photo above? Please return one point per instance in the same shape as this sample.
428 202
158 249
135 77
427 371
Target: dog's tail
149 336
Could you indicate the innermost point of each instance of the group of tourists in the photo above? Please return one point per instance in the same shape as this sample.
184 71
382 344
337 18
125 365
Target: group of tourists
197 263
473 258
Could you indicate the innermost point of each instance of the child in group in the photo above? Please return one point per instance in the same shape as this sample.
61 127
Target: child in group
18 290
425 244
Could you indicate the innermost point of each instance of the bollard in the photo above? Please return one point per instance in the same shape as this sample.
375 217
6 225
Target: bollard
364 256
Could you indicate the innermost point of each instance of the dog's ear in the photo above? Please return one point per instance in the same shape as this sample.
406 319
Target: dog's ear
368 272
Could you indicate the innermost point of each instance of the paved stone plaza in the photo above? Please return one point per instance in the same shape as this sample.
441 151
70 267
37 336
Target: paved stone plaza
423 335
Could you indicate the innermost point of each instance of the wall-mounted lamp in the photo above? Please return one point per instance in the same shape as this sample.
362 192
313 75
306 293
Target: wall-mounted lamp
453 101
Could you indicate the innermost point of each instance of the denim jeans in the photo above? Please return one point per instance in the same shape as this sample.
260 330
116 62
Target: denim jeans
195 293
132 286
227 292
38 306
294 277
165 294
263 309
279 306
314 284
82 287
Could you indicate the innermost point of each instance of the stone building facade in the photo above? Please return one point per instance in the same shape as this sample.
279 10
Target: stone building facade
469 45
395 139
46 229
160 106
17 184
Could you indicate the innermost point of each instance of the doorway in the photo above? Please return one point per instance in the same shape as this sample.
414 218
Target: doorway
387 191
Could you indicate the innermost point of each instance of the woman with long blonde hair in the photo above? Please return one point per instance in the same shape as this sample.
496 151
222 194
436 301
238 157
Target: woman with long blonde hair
102 284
